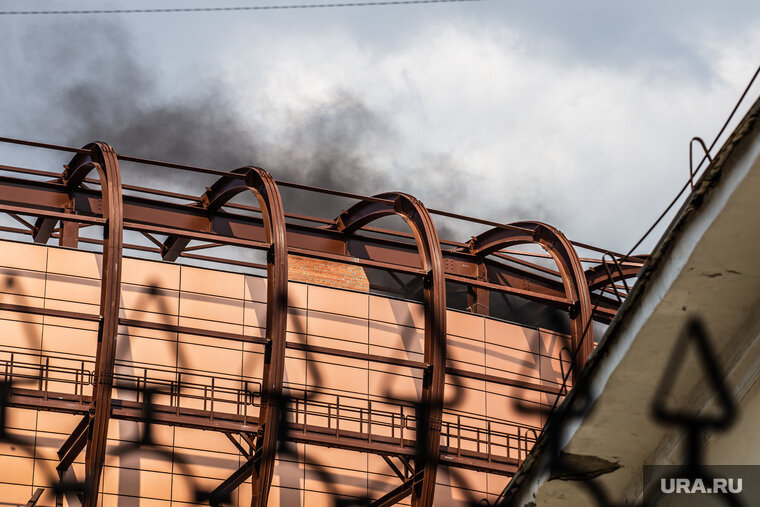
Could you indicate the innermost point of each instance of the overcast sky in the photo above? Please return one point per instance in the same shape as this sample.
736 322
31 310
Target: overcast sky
574 113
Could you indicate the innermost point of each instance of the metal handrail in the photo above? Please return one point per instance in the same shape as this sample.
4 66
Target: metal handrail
488 436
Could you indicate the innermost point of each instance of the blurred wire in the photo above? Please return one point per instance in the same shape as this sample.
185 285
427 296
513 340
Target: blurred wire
242 8
706 157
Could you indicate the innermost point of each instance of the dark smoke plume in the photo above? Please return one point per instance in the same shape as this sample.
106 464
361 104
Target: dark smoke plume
85 81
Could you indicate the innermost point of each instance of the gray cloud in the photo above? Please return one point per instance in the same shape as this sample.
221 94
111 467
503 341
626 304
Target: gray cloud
97 86
508 111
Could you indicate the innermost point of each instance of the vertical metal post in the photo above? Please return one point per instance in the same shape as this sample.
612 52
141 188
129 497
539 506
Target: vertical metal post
103 159
478 298
270 415
430 408
69 234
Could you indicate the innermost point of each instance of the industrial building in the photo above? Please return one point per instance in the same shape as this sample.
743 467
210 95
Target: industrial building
147 361
162 348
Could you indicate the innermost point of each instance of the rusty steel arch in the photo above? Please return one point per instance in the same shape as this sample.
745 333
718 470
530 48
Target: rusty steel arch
75 201
102 158
597 276
264 188
570 270
429 420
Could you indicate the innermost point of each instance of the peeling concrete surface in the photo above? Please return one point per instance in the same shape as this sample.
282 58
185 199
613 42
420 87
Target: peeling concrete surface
579 467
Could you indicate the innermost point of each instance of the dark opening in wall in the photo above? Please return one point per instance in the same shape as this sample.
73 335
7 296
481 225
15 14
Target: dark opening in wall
528 313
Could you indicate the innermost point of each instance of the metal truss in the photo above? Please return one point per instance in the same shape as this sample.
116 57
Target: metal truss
570 270
73 201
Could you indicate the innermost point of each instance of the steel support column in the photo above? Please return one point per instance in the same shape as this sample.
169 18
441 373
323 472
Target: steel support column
570 270
434 381
478 298
263 186
68 234
103 159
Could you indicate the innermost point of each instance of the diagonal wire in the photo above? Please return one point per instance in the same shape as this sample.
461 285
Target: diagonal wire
707 155
241 8
683 189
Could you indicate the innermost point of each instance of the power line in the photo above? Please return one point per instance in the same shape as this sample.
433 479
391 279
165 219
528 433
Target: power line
242 8
686 185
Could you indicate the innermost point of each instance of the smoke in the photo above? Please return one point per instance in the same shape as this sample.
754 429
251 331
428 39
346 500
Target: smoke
114 97
327 146
84 82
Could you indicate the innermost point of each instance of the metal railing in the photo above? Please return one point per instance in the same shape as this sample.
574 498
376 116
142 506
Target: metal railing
308 412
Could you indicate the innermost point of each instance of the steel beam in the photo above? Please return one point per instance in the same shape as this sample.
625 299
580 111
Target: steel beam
192 221
222 492
570 270
212 200
73 445
429 249
597 277
478 297
43 229
102 158
315 349
393 467
242 450
264 188
500 275
69 234
398 493
35 497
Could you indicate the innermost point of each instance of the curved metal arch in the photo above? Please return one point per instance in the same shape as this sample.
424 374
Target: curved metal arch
570 269
263 186
596 276
102 158
219 194
429 420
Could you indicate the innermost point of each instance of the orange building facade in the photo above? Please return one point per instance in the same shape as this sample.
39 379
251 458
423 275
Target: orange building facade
189 344
297 360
